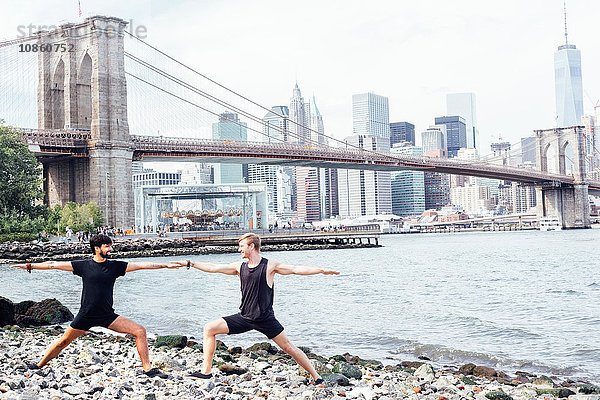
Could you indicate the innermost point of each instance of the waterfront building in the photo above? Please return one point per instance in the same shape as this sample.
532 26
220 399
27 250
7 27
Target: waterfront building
408 187
437 186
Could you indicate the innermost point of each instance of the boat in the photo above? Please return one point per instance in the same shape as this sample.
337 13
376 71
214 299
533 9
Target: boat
550 224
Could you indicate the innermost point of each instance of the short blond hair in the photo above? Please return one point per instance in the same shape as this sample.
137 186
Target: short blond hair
252 238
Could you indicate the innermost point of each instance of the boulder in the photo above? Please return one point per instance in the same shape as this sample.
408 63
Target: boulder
7 312
347 369
266 346
336 379
45 312
171 341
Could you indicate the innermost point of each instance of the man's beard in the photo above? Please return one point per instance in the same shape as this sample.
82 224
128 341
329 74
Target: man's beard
103 254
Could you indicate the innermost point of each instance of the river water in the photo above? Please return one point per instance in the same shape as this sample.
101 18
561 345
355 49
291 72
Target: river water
525 300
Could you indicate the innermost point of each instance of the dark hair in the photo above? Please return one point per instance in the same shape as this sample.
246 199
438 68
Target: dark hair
98 240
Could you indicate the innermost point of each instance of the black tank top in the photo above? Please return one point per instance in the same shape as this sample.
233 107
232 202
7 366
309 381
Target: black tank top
257 296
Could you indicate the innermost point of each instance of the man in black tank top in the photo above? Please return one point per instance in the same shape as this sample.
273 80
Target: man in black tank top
99 275
256 311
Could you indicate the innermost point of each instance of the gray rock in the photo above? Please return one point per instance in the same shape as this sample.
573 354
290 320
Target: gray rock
425 373
347 369
7 312
336 379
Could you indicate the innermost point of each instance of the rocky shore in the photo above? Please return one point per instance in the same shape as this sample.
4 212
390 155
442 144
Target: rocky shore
102 366
38 251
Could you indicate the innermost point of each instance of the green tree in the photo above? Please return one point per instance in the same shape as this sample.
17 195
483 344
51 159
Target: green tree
20 177
80 217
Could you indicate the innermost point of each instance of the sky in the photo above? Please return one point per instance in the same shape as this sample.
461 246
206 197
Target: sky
413 52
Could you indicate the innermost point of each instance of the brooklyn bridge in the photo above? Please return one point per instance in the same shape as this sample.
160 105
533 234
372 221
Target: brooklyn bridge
82 109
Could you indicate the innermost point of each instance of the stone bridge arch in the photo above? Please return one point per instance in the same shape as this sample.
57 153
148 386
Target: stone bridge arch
82 86
569 203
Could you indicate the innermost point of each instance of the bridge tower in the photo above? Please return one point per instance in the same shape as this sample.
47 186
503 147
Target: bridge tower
569 203
84 88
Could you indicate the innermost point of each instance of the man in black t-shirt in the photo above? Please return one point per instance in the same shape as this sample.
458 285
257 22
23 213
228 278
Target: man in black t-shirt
99 275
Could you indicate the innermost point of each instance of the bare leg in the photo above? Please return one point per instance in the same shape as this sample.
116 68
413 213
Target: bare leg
211 330
124 325
54 350
284 343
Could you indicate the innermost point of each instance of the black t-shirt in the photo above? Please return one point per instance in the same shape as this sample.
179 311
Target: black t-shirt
98 283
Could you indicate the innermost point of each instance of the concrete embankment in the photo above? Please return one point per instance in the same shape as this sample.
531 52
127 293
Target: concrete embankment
194 245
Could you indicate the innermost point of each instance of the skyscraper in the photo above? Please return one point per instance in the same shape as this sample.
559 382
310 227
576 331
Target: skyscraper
434 141
308 199
567 83
279 180
367 192
371 116
229 127
364 192
463 104
328 182
408 187
402 132
456 133
437 186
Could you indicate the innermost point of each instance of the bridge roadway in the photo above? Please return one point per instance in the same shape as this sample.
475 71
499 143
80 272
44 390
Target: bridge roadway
51 143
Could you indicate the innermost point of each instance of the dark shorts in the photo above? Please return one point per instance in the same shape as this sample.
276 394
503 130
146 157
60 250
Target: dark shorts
85 322
269 327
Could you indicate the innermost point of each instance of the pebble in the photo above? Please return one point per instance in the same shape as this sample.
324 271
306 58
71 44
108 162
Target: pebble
102 367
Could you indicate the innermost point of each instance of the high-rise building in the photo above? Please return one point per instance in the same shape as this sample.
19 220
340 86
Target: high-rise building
276 125
567 84
299 118
402 132
230 127
330 207
307 195
528 150
408 187
437 186
502 154
279 180
434 141
367 192
463 104
456 133
328 182
473 199
371 116
437 190
364 192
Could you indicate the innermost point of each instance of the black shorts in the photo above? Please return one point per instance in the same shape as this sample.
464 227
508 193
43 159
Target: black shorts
269 327
84 322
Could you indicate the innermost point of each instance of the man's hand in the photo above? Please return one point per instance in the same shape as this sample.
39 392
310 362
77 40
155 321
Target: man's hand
174 265
330 272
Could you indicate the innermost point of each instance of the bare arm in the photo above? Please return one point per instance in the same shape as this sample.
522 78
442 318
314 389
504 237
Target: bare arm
136 266
286 269
227 269
60 265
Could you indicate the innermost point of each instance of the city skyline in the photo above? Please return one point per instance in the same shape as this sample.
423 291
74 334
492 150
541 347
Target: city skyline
503 54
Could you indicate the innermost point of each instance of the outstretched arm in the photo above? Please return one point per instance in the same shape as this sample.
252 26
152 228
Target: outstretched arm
138 265
60 265
286 269
227 269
